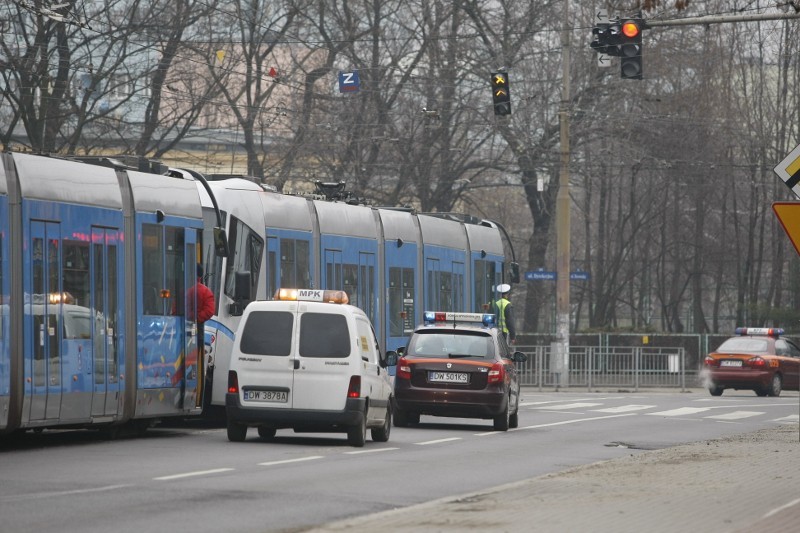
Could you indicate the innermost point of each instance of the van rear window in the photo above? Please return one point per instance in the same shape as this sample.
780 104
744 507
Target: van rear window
324 335
268 333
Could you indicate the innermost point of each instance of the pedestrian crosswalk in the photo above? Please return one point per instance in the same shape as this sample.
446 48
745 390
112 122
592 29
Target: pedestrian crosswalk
721 413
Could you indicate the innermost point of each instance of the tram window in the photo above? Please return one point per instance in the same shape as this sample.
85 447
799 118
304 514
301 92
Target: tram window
401 298
111 314
247 248
176 268
37 255
446 293
295 263
212 263
458 287
350 283
76 271
484 282
152 269
54 325
99 310
367 290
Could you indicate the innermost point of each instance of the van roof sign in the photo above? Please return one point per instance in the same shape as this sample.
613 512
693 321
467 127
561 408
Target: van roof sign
312 295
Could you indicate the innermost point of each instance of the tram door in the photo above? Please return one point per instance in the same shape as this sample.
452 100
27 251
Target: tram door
105 319
44 306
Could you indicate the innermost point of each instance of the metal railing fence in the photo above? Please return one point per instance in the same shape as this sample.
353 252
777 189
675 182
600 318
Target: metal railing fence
606 366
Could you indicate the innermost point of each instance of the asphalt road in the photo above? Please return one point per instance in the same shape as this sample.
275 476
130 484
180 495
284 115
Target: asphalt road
189 477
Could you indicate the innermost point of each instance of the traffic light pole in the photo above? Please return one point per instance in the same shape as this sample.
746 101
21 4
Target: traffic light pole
721 19
559 350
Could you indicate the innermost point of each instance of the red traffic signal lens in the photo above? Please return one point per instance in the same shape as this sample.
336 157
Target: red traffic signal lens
630 29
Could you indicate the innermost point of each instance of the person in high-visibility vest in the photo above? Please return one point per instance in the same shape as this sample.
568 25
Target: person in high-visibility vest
505 313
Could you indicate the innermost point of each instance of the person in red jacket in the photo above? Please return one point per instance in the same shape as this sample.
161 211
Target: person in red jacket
205 299
202 307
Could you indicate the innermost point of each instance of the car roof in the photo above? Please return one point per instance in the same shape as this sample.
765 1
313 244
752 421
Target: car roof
450 328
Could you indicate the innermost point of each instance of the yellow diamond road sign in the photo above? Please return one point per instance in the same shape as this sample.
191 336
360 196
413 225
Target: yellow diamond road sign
788 214
789 171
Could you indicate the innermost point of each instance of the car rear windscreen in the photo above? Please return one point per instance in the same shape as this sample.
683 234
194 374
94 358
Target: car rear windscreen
324 335
268 333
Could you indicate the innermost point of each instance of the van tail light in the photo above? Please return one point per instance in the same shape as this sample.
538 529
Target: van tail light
497 374
233 382
354 390
757 362
710 361
403 369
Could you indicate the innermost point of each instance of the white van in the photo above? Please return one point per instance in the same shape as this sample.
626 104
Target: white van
310 362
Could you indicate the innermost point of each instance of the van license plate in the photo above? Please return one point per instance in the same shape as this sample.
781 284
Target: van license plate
266 396
448 377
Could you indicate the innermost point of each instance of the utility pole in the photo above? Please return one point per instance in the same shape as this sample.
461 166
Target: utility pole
559 350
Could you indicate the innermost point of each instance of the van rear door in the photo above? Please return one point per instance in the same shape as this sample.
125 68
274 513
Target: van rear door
325 358
265 366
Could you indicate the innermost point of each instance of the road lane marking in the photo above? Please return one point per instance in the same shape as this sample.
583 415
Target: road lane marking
376 450
788 419
22 497
736 415
624 408
192 474
437 441
563 422
680 411
577 405
781 508
287 461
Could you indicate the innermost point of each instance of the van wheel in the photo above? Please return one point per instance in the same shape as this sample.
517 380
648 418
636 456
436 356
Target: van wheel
357 435
266 433
236 432
381 434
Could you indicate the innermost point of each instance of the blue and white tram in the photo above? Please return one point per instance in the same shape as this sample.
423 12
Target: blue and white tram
96 328
393 263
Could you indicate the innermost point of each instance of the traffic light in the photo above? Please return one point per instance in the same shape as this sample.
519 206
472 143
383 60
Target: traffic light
630 48
501 98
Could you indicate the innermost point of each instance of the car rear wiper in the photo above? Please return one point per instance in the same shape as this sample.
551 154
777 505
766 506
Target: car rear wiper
457 355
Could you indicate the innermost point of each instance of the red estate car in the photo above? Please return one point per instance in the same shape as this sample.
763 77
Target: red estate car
458 365
760 359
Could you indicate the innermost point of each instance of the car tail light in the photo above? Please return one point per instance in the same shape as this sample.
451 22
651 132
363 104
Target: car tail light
497 374
757 362
354 390
233 382
403 369
710 361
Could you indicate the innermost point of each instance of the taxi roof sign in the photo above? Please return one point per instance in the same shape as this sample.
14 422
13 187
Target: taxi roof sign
789 170
788 214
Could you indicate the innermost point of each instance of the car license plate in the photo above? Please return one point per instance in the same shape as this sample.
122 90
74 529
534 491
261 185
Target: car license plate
448 377
266 396
730 362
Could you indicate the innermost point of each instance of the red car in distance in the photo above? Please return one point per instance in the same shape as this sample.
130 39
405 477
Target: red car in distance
761 359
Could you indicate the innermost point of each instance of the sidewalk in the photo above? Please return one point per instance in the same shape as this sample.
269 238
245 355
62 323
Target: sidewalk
742 483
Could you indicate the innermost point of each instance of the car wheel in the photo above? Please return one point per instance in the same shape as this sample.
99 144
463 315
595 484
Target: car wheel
775 387
381 434
236 432
501 421
266 433
715 390
762 392
357 435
